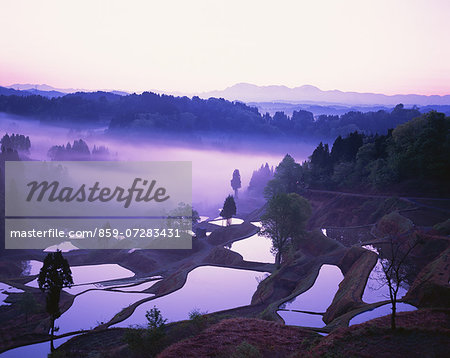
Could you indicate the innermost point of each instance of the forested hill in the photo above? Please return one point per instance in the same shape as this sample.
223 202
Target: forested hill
414 158
150 112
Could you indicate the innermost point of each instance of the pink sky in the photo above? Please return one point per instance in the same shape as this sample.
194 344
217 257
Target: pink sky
190 46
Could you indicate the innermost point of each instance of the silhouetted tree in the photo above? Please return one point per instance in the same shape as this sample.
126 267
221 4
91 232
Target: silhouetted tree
395 269
229 209
53 276
398 240
236 182
150 341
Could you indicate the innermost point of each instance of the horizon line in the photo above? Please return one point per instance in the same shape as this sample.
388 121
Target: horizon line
176 92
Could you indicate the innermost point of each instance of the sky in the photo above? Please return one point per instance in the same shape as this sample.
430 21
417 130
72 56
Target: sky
191 46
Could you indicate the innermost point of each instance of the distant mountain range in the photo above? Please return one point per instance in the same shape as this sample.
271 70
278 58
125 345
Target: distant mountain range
44 90
307 94
254 94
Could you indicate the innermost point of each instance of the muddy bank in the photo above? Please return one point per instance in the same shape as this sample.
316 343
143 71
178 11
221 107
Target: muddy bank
19 327
270 338
173 265
339 210
349 236
375 338
175 274
431 287
356 266
297 275
228 234
335 209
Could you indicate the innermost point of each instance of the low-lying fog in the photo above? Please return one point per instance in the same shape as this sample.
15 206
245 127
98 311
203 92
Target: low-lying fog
212 167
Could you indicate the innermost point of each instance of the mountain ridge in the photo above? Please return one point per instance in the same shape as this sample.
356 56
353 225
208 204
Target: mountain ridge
248 92
251 93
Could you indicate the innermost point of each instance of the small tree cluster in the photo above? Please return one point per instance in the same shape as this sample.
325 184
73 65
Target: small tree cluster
16 142
79 150
260 179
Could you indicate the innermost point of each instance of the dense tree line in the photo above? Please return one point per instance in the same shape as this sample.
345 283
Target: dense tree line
414 152
79 150
413 157
260 178
378 122
17 142
149 112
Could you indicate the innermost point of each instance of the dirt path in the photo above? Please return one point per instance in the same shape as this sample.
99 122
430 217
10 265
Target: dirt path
409 199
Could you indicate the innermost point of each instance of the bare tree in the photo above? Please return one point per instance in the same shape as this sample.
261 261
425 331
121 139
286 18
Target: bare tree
395 265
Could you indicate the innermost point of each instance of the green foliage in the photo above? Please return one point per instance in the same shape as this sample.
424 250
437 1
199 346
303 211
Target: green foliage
345 150
155 321
416 151
422 146
273 188
198 319
344 174
229 208
288 173
287 178
28 304
320 163
246 350
148 342
284 220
